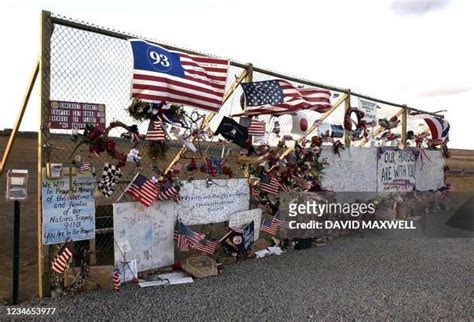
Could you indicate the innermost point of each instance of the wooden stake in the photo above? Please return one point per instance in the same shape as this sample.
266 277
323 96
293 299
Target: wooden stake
19 118
404 126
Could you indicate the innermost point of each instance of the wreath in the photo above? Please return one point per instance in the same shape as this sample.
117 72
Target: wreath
99 141
360 129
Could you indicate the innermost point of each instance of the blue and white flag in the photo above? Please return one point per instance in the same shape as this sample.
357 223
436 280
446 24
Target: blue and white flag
161 75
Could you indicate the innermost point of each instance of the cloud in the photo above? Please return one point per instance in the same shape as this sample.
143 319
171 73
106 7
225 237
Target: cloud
445 91
417 7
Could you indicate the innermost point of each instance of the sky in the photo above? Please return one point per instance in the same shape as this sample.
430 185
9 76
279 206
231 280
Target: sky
417 53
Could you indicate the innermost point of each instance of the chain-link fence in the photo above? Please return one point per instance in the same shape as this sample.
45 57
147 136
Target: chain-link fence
84 63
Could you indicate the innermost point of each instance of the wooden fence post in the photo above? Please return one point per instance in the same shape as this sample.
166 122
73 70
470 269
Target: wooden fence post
347 106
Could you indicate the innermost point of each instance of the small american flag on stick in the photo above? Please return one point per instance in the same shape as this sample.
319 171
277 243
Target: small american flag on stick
171 194
143 190
256 128
116 279
61 260
279 222
155 131
269 184
269 226
206 246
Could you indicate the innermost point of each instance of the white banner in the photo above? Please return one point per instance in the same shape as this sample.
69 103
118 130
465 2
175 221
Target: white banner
205 203
370 110
395 169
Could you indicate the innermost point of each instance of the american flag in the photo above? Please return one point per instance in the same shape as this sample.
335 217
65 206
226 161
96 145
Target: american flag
280 96
171 194
256 128
269 226
61 260
155 131
143 190
279 222
269 184
206 246
84 166
161 75
181 233
439 128
116 279
185 237
284 187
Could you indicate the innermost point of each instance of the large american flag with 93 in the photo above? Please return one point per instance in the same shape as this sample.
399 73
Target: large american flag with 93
161 75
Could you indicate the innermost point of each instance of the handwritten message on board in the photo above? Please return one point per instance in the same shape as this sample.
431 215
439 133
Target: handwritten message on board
68 212
205 203
396 169
144 234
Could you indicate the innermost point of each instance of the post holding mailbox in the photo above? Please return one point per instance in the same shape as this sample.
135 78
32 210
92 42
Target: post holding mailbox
17 189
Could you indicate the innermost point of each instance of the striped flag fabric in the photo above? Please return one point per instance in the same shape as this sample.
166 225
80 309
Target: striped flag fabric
256 128
279 222
439 128
61 259
116 279
280 97
161 75
268 184
284 187
269 226
181 235
206 246
155 131
142 190
171 194
84 167
187 239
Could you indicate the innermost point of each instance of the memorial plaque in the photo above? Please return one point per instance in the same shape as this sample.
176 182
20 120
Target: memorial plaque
75 115
200 266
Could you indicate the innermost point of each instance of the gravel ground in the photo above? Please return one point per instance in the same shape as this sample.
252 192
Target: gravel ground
352 278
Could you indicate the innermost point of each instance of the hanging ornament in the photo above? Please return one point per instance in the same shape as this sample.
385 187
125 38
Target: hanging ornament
300 122
276 128
337 147
389 124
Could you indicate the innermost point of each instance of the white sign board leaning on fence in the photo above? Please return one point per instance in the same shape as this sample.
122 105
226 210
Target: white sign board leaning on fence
395 169
144 234
370 110
68 209
211 202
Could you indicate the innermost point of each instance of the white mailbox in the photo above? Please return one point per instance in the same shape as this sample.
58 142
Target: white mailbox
17 184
